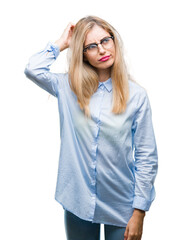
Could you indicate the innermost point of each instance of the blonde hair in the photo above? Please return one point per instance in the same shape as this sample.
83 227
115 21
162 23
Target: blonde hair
83 78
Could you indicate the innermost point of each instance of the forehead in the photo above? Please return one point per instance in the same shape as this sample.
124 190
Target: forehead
95 35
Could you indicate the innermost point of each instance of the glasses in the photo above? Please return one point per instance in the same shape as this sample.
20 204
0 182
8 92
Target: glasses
106 43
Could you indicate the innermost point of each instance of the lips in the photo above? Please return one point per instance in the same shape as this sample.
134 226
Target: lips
105 58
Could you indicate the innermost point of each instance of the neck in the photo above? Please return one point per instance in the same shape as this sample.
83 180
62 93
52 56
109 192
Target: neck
104 74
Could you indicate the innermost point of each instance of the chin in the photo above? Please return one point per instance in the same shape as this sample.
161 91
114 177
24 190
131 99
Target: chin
107 65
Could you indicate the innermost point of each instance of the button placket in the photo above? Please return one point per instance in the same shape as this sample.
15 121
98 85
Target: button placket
95 140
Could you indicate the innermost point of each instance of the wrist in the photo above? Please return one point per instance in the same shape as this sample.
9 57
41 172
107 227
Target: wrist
61 45
139 212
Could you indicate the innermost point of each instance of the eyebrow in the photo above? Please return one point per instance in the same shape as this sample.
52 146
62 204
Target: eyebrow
95 42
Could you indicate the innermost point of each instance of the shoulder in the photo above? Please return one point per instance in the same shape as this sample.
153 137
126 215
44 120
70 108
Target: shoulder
136 90
138 94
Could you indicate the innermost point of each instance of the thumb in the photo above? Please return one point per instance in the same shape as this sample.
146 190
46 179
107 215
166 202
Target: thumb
126 233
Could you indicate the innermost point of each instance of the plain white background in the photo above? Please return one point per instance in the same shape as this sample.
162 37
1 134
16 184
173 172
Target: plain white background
29 128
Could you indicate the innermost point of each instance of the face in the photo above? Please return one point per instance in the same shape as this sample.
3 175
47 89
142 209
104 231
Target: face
95 35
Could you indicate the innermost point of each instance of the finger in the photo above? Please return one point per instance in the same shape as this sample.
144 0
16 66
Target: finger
71 24
132 237
140 237
126 234
70 27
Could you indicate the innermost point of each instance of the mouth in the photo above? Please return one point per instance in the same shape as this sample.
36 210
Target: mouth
105 58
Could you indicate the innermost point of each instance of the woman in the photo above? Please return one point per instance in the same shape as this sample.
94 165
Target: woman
108 156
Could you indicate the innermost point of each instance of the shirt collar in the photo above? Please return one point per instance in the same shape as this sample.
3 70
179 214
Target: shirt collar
107 84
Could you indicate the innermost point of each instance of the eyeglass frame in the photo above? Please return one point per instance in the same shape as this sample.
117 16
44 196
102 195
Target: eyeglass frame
85 49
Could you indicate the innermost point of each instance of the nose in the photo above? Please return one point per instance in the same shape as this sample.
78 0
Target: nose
101 49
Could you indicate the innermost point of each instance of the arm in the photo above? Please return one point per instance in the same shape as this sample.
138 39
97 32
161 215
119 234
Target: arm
146 165
38 67
146 156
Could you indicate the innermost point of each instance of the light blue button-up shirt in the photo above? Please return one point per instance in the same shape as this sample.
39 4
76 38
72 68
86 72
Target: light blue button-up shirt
107 164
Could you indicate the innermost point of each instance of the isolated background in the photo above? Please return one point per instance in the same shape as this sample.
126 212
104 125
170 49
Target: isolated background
29 123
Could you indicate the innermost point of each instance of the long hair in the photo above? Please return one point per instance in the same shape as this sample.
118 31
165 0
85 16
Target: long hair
83 78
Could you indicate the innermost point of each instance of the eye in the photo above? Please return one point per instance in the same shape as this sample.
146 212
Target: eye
92 46
105 40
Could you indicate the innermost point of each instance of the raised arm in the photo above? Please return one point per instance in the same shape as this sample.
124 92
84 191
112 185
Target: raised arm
38 67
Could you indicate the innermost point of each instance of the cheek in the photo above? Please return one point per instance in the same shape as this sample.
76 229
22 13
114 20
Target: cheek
92 61
114 53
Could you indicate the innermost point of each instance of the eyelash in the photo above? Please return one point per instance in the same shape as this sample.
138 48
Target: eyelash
105 39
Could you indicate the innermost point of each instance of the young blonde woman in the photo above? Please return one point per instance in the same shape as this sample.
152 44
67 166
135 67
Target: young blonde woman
108 155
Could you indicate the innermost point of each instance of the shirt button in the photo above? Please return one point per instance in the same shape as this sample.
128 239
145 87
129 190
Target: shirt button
94 147
93 182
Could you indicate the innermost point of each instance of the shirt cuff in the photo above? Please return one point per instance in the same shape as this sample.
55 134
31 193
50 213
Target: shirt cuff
54 48
141 203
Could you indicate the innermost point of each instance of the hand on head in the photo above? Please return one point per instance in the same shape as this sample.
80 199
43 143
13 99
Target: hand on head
64 41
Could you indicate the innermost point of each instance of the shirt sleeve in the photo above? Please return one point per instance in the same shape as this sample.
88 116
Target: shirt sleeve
146 156
38 68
